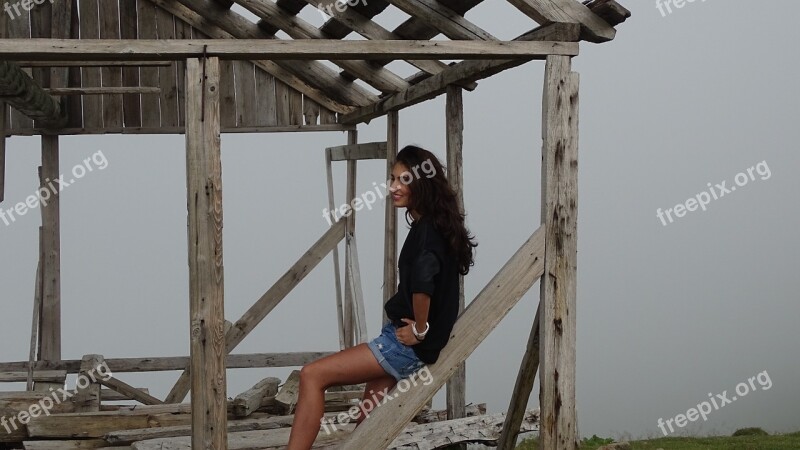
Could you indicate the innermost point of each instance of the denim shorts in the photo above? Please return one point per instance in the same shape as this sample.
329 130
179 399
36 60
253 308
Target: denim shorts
397 360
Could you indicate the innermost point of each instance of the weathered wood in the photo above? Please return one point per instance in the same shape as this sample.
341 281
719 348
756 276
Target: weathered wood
441 414
50 325
170 363
357 296
545 12
19 28
462 72
131 101
295 108
444 19
557 330
454 118
206 274
65 445
104 90
87 398
149 76
522 389
481 316
19 90
72 64
250 400
3 112
35 342
167 76
184 31
390 215
98 424
111 76
367 150
298 49
108 395
90 76
53 376
262 440
245 94
287 396
349 318
337 272
266 111
129 391
310 111
477 429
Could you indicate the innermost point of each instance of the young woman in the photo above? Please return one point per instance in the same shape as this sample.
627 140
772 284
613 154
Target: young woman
422 312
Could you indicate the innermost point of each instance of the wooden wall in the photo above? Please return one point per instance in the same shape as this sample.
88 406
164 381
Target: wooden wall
252 99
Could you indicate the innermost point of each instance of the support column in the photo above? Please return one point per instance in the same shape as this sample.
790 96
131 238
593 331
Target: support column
558 284
206 274
3 109
50 205
390 234
457 385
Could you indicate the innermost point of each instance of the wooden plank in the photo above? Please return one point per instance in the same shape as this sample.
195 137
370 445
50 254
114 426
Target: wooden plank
287 396
357 297
149 76
91 76
270 299
310 111
522 389
65 445
295 107
545 12
98 424
171 363
454 117
103 90
227 94
111 76
87 398
390 215
250 400
19 28
266 107
444 19
167 76
19 90
282 106
557 332
367 150
429 416
50 326
245 94
299 49
206 287
349 317
129 391
3 112
481 316
36 343
108 395
54 376
131 102
459 73
337 272
183 31
41 28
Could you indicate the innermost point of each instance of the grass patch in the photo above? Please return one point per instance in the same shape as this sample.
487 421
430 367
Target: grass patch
747 442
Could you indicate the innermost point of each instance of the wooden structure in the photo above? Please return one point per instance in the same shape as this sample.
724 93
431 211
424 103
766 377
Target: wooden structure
199 68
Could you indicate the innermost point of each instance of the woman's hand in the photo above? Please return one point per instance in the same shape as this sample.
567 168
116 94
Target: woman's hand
405 335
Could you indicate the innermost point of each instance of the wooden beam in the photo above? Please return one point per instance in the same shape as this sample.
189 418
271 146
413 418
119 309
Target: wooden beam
171 363
250 319
297 28
250 400
129 391
87 398
54 376
460 73
545 12
298 49
390 215
478 320
206 274
313 79
92 63
367 150
18 89
444 19
337 270
454 117
3 110
50 325
557 332
103 90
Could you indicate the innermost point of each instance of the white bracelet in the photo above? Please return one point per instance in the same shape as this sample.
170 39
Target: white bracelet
420 336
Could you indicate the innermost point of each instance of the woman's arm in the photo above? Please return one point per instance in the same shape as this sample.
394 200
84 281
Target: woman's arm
422 304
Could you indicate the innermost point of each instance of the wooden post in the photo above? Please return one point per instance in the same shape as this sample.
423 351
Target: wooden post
50 330
206 274
355 328
558 285
3 109
87 391
456 386
337 272
390 234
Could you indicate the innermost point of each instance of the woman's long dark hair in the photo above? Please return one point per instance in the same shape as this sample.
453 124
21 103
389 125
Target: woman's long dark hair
432 196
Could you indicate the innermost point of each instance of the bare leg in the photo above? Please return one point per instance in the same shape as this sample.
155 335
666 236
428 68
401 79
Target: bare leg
374 393
350 366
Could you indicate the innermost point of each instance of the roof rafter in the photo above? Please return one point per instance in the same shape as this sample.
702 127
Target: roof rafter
593 28
444 19
310 78
18 89
380 78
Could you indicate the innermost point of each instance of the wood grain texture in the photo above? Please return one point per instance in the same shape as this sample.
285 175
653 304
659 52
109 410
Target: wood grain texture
545 12
557 331
206 273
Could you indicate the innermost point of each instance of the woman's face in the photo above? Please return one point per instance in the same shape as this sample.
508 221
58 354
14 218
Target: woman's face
399 188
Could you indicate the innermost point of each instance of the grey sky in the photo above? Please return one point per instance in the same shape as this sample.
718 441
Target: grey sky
666 314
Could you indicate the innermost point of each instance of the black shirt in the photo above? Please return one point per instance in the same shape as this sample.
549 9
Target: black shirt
427 265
